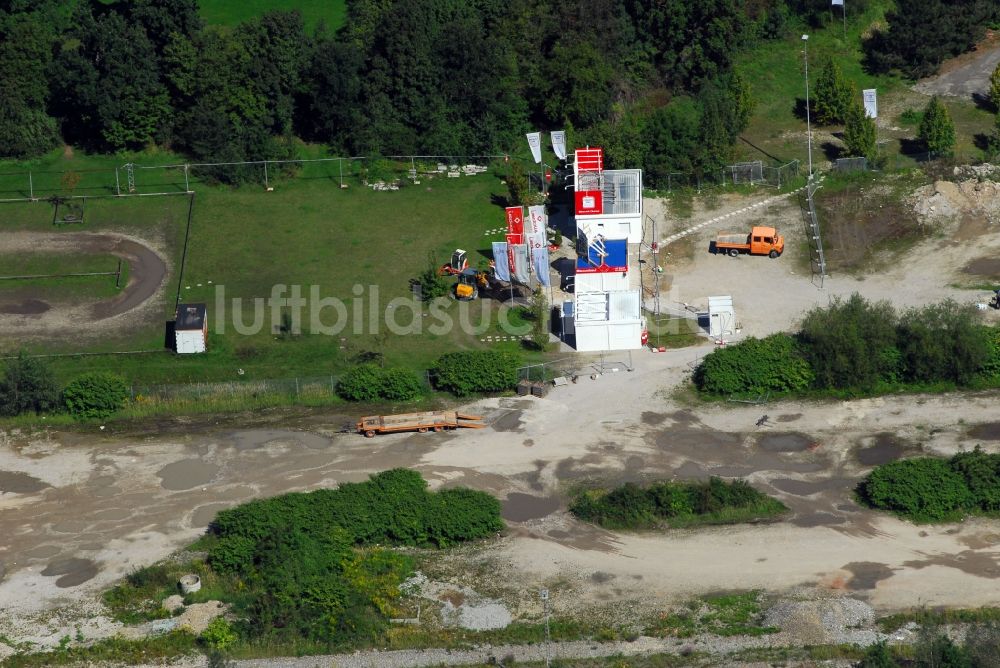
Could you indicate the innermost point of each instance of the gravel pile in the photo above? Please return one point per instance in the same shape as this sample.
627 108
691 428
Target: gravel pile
832 620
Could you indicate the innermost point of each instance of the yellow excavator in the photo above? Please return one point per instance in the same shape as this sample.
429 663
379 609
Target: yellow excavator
470 282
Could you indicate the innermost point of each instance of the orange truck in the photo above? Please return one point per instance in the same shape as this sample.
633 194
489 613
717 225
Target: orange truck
760 241
422 422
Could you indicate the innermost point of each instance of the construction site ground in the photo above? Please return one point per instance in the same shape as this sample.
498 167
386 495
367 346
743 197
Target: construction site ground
80 510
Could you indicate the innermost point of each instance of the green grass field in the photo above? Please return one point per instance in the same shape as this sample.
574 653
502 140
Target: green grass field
307 232
231 12
64 288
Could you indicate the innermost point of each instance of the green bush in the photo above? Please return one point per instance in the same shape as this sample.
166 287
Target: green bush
95 395
218 635
921 489
369 382
943 342
712 501
754 366
399 385
27 385
469 372
981 473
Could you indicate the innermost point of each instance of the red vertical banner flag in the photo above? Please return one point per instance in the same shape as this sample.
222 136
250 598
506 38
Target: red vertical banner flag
515 224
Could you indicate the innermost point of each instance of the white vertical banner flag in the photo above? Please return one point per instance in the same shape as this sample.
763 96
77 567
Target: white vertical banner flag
519 263
501 263
535 144
839 2
536 219
871 102
559 144
536 240
540 260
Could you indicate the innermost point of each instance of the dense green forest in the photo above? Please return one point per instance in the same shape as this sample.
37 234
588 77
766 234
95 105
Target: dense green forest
653 82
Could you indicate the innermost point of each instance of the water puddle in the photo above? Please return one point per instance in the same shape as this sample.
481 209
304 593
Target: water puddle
885 448
509 421
26 307
866 574
806 488
259 438
653 419
15 482
792 441
203 515
519 507
187 474
74 571
989 431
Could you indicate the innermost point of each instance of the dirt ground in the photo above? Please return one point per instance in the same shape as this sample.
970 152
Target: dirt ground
25 315
78 511
967 76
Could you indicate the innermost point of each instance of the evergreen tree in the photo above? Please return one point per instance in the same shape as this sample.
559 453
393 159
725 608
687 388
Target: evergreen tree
995 88
833 95
860 134
937 130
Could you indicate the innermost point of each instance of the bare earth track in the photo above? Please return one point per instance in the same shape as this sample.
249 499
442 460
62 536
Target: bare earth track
25 314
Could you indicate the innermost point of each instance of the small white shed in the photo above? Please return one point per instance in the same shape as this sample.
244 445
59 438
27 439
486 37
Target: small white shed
721 317
191 329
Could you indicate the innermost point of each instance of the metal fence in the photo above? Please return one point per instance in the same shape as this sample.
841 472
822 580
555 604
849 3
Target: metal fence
135 180
750 173
290 387
847 165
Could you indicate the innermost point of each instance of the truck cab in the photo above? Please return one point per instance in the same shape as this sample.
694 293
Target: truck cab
766 241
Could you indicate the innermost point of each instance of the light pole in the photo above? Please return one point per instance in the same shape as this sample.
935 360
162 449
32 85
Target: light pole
805 46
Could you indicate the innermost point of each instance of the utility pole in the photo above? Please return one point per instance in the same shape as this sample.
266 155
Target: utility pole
805 46
544 595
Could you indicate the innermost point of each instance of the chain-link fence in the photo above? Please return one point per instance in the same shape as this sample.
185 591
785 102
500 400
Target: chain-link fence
741 173
131 179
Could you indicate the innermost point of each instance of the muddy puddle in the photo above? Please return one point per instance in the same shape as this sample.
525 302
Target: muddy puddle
519 507
653 419
260 438
203 515
509 421
791 441
984 266
806 488
866 574
73 571
989 431
884 449
26 307
186 474
15 482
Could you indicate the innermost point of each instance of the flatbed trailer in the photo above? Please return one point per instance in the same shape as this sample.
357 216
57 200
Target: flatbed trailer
421 422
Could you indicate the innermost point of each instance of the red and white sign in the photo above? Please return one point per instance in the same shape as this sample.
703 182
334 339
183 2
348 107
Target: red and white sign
589 202
515 220
514 239
536 219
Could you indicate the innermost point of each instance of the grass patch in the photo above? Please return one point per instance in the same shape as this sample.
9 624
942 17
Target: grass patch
64 288
675 505
732 614
111 650
672 332
938 617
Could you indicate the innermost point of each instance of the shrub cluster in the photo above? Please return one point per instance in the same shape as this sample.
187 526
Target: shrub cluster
469 372
713 501
857 345
773 364
370 382
927 489
28 385
295 552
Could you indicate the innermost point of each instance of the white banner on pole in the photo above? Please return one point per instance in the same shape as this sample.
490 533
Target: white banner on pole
536 240
535 144
536 220
559 144
871 102
519 263
501 263
540 260
838 2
